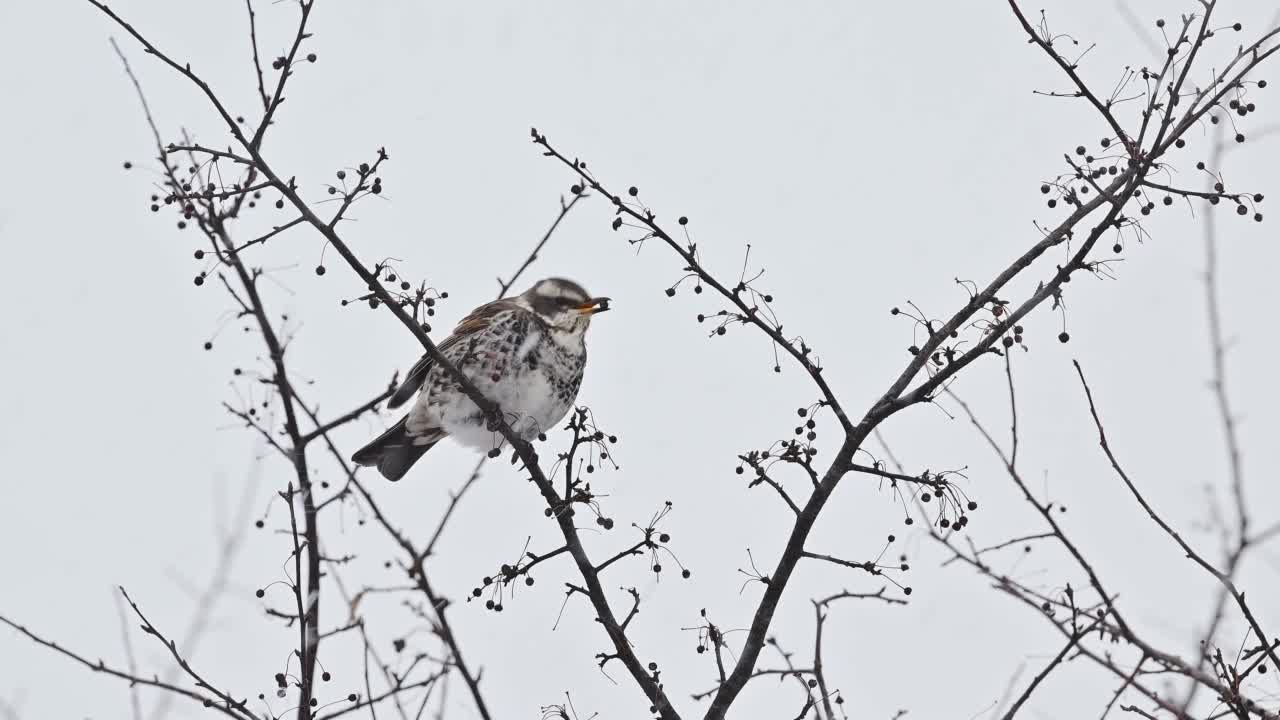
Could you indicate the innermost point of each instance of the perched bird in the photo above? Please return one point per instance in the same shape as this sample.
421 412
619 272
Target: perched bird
524 353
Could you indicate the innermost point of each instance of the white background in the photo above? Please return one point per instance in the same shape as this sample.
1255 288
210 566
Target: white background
870 153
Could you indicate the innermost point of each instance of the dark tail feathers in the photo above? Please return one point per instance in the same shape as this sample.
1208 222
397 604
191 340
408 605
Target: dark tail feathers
394 452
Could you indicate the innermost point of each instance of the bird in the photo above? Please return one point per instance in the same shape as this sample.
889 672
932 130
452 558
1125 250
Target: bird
525 353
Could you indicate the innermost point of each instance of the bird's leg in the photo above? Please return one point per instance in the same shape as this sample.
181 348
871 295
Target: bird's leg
532 429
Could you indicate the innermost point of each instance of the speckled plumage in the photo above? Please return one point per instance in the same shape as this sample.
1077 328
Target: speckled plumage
526 354
514 362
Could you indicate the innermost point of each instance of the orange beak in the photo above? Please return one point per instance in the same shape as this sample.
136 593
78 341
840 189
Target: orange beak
593 306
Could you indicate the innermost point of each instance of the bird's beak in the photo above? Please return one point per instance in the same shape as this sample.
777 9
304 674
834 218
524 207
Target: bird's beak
593 306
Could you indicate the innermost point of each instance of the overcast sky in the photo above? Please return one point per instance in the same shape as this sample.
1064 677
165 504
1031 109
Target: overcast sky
869 153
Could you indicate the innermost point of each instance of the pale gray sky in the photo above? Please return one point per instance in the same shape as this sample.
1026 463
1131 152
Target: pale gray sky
870 153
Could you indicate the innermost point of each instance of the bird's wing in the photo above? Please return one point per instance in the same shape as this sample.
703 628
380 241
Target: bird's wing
476 322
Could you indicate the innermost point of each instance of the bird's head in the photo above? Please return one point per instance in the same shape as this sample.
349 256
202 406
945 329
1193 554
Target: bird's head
564 305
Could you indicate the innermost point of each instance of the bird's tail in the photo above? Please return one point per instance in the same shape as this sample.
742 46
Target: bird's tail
394 451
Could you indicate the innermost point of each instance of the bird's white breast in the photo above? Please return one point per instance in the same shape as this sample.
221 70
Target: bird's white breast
520 377
528 400
525 394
